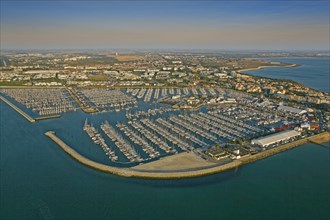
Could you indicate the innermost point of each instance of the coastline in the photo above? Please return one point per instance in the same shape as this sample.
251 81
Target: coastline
153 174
263 67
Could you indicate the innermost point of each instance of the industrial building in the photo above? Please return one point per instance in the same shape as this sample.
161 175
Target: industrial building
275 138
291 109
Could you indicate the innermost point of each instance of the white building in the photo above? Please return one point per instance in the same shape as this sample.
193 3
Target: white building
291 109
42 72
275 138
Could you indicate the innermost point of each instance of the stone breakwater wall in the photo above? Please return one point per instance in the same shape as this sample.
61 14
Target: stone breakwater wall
151 174
29 118
127 172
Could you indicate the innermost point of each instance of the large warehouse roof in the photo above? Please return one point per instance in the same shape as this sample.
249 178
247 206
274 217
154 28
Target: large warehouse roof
274 138
292 110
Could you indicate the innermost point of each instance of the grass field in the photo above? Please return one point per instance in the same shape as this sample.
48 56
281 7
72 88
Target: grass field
123 58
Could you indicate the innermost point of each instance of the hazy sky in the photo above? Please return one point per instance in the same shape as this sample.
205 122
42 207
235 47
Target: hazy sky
165 24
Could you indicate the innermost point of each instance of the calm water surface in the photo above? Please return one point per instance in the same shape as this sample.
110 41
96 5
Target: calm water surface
312 72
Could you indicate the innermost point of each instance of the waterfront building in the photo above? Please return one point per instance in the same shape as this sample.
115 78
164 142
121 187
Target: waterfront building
291 110
217 153
275 138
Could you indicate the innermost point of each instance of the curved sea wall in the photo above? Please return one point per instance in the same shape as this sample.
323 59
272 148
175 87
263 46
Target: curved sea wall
128 172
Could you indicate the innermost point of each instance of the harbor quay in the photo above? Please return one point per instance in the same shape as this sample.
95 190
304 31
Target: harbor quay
138 172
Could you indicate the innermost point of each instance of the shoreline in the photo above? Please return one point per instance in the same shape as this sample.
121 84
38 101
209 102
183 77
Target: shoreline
264 67
153 174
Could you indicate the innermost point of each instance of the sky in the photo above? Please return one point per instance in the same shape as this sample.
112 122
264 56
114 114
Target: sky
230 25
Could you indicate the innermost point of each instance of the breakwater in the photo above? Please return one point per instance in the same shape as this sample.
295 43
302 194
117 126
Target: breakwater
47 117
153 174
127 172
29 118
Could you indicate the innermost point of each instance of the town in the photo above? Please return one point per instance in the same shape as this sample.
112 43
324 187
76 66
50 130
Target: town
161 70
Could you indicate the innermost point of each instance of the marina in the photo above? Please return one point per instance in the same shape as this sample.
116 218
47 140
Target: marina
151 135
126 148
42 102
145 130
107 100
98 139
49 155
139 140
137 172
215 148
83 103
165 110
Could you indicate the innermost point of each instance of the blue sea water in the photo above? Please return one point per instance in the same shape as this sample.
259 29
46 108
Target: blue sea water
40 181
311 72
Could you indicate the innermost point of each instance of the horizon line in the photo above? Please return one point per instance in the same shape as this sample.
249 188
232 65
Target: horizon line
166 49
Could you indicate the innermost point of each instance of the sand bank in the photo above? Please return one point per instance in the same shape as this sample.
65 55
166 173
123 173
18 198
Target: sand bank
263 67
180 161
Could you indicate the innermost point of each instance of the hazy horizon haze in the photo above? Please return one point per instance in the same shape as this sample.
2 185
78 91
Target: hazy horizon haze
246 25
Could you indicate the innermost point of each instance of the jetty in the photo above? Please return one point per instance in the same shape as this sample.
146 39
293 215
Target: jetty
47 117
141 171
29 118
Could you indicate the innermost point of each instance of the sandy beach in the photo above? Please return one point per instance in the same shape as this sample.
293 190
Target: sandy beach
180 161
263 67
